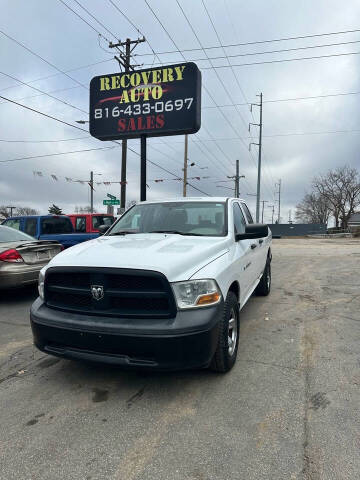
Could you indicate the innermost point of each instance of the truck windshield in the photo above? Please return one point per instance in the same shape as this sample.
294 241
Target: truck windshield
186 218
56 225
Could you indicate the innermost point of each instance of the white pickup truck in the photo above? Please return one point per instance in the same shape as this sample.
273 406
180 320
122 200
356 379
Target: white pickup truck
161 289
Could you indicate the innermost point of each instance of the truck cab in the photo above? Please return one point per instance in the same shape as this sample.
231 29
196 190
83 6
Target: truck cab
49 227
90 222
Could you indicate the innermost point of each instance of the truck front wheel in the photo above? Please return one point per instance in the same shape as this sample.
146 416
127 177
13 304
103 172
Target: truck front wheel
228 341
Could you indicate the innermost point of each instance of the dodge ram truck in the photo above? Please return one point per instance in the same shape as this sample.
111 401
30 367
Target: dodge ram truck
161 289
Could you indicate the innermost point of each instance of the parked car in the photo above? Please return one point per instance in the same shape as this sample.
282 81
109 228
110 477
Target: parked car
161 289
22 257
49 227
90 222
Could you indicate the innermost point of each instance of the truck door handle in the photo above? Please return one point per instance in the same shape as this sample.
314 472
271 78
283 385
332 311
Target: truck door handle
253 245
261 241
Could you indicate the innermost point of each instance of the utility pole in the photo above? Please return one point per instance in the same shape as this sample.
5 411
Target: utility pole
236 179
262 213
185 165
124 61
272 213
279 198
91 183
258 189
11 210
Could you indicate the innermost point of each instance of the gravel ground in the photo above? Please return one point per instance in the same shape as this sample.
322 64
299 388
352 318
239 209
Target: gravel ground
288 410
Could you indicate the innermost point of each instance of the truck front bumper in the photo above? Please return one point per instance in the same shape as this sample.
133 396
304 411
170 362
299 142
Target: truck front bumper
185 342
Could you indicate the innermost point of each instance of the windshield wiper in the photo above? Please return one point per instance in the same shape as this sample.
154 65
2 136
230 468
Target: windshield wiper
177 232
123 232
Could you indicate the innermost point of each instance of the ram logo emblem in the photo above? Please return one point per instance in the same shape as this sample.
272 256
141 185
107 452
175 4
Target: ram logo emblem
97 292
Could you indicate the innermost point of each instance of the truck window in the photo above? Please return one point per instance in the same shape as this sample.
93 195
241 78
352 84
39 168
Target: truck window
80 224
30 226
13 223
56 225
247 213
198 218
239 220
102 220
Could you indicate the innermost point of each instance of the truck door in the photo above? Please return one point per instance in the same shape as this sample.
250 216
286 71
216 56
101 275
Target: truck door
243 253
260 250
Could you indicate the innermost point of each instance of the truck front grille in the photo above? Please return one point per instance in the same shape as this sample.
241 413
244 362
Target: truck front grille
126 293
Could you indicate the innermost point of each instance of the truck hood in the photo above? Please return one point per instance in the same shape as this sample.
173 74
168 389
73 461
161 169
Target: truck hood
177 257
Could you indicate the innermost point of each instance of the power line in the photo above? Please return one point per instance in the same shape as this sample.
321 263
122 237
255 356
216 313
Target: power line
257 42
44 141
266 52
83 19
212 98
41 58
340 94
283 60
61 73
83 130
54 154
98 21
43 114
42 92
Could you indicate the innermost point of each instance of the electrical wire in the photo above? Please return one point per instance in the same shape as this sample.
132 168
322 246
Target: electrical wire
207 91
283 60
55 154
98 21
83 19
258 42
41 58
83 130
42 92
56 74
267 52
44 141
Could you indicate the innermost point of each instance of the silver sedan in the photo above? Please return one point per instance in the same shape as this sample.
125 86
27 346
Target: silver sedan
22 257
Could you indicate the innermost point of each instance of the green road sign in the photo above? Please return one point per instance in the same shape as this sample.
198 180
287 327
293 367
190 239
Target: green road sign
111 196
113 201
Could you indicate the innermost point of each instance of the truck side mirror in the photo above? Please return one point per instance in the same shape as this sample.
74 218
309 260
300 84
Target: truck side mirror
253 231
103 229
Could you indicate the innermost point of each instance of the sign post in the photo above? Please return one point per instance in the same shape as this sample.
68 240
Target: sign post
159 101
142 168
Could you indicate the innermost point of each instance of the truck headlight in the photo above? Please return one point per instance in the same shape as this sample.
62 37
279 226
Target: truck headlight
196 293
41 284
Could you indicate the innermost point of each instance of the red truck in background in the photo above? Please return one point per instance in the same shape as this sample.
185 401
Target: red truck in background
90 222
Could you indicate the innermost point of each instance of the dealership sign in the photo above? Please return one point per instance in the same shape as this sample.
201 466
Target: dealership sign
152 102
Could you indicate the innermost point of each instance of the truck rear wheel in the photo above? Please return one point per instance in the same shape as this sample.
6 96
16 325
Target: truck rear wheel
228 341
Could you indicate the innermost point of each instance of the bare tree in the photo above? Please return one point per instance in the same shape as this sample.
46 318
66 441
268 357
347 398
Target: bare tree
20 211
24 211
341 189
86 209
4 211
313 208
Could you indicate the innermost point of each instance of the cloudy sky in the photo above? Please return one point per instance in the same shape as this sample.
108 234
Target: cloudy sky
55 39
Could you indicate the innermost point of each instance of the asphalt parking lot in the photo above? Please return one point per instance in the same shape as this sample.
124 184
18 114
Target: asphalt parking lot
288 410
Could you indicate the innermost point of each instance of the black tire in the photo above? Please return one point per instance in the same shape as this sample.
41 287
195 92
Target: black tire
264 285
223 360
